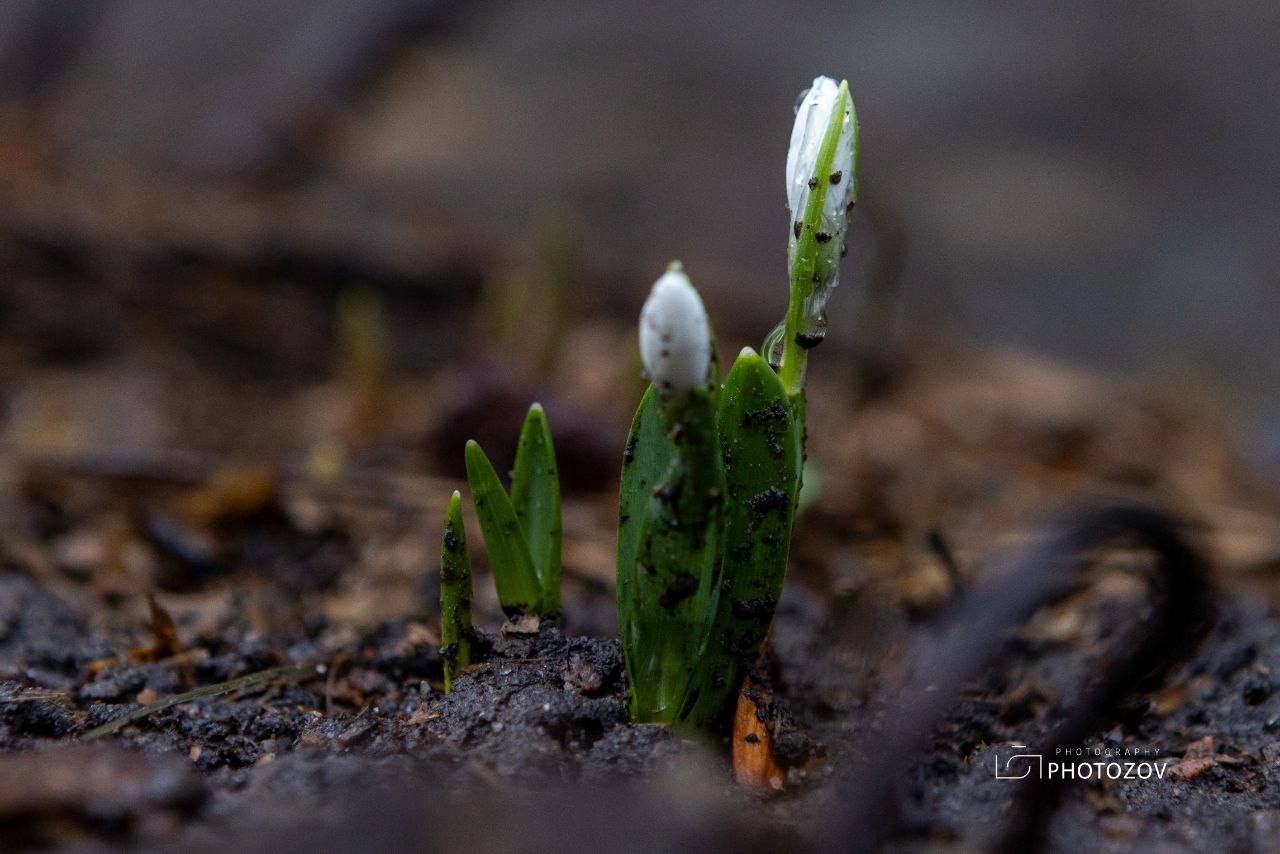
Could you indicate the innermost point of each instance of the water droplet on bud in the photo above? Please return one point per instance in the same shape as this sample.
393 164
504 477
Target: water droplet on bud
814 332
774 345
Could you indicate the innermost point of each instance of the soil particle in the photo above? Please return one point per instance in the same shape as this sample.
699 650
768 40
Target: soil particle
761 608
636 751
681 588
115 684
523 711
1189 769
1256 689
522 627
40 718
45 638
772 498
792 747
1240 657
581 675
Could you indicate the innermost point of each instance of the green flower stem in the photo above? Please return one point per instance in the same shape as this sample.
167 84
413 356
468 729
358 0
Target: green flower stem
803 254
455 594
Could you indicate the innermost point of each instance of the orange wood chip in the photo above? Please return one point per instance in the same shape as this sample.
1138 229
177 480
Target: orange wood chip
753 763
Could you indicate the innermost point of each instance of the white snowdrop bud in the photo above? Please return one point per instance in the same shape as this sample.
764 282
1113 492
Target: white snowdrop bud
675 339
822 104
813 116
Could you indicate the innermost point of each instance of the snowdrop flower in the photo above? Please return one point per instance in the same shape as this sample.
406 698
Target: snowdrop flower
675 338
813 116
823 104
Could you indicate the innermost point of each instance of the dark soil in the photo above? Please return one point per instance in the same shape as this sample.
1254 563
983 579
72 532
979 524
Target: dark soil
137 464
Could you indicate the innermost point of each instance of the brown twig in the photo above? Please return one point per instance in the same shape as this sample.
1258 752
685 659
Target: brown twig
237 684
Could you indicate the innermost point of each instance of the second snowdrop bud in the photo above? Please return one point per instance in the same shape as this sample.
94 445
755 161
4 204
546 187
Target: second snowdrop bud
675 338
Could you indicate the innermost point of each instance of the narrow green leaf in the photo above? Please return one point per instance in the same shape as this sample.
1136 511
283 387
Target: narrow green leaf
759 441
676 559
535 495
644 462
513 571
455 594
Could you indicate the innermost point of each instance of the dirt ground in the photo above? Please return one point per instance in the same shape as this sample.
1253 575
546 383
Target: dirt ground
219 484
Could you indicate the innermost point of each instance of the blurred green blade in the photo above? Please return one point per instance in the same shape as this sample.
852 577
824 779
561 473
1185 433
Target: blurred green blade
759 442
513 572
535 495
455 594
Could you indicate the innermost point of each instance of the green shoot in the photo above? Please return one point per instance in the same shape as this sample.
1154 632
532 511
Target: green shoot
535 494
455 594
521 530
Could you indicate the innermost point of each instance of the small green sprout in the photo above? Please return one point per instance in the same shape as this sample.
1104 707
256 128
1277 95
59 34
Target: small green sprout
455 594
522 530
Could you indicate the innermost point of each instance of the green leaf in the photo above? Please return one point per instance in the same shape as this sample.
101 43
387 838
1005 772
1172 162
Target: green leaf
455 594
644 462
535 495
676 553
759 442
519 591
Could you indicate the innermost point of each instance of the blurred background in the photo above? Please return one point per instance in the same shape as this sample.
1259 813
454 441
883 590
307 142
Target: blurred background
265 266
1095 182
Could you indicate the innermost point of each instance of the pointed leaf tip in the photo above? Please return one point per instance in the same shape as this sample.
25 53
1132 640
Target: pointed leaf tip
535 496
455 593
